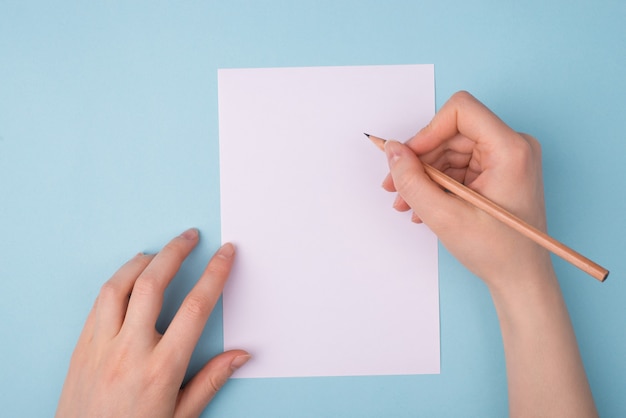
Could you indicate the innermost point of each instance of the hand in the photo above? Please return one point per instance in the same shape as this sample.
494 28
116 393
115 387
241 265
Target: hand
468 142
122 367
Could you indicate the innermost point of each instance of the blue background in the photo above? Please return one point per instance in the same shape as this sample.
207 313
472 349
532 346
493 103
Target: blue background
109 141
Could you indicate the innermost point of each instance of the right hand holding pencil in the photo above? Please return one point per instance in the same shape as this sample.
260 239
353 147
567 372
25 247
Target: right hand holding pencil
466 141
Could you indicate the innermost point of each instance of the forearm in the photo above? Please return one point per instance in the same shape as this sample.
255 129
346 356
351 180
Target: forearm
545 373
475 147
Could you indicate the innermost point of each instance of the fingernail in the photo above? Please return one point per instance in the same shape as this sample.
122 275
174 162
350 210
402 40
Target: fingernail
191 233
391 149
239 361
227 250
397 201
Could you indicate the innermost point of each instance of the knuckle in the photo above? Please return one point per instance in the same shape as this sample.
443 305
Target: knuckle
524 151
535 145
110 290
462 96
218 267
407 185
146 285
159 379
214 384
197 306
176 250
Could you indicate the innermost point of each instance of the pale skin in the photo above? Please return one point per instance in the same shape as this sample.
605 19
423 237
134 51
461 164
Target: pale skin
123 367
468 142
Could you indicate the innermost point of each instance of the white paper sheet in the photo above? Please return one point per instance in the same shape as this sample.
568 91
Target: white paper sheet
329 280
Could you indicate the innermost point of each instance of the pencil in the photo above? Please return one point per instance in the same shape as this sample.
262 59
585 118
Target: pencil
596 271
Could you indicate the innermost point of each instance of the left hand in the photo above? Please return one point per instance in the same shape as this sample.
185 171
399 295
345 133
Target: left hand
122 367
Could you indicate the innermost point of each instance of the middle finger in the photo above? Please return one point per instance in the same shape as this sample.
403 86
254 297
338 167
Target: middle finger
146 298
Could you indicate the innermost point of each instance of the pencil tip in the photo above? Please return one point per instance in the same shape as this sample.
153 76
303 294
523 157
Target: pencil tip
379 142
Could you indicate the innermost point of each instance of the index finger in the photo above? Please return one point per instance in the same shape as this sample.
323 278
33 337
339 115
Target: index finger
183 333
461 116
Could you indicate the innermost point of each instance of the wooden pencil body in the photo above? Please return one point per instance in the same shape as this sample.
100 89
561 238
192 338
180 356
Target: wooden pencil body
501 214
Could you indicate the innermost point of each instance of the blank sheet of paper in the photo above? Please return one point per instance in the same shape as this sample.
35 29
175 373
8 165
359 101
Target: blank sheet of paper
329 280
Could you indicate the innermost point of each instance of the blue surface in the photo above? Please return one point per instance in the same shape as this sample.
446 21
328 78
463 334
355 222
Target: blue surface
108 146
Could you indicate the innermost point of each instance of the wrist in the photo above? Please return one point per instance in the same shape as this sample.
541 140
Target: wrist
528 295
521 267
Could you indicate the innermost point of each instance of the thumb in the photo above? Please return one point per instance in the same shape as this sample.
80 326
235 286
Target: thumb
429 202
199 391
